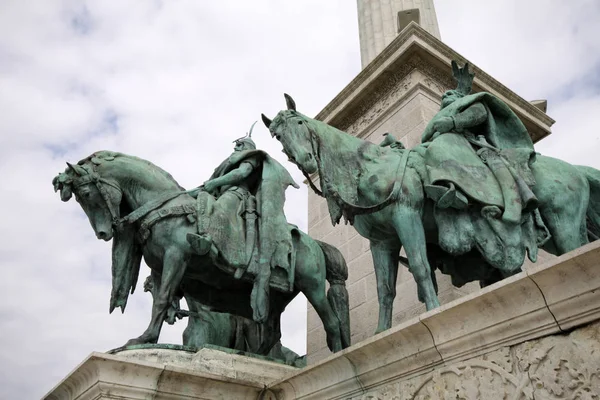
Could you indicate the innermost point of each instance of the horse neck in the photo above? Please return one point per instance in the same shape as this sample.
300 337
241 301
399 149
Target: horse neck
347 148
139 180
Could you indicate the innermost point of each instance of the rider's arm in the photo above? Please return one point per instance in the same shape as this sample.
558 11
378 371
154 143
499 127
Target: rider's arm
234 177
472 116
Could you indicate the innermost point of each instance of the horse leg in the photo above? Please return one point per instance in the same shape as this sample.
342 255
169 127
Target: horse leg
385 259
410 229
313 287
172 274
563 192
270 332
568 232
328 317
565 218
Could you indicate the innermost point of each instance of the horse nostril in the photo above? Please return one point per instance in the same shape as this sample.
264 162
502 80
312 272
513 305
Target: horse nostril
102 235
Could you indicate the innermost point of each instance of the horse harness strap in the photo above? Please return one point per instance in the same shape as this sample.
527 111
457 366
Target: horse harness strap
94 178
156 215
312 185
142 211
351 210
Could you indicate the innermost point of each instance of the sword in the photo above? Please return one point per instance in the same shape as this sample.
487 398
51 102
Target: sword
251 218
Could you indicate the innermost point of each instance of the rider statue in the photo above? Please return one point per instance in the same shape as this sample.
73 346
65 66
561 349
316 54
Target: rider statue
478 149
240 212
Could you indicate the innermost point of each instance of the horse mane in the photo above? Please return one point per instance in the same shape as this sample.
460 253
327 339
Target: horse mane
110 155
341 159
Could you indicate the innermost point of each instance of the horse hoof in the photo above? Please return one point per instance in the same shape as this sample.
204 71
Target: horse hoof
135 341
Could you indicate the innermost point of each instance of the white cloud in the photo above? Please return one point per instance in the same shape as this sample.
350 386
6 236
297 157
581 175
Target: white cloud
175 83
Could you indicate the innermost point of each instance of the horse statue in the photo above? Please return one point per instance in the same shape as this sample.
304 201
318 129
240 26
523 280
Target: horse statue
147 214
382 191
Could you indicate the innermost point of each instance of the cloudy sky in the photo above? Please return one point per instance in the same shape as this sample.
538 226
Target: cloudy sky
174 82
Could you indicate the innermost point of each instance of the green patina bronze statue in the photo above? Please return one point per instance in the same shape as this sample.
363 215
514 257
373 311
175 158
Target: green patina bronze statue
472 199
247 184
225 245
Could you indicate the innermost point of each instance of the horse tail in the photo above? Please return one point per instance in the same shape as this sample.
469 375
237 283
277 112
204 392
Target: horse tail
593 211
337 295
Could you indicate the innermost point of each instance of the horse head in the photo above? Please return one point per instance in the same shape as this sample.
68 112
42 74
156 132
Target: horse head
293 130
100 198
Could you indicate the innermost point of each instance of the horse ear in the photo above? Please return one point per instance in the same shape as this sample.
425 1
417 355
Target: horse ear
266 120
291 104
78 169
455 69
70 166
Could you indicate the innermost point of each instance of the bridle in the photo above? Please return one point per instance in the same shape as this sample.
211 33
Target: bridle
118 223
94 178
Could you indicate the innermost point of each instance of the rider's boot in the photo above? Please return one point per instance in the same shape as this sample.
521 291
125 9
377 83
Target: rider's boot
446 197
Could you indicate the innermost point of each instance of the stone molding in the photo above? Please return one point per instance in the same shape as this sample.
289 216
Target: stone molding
416 48
168 374
546 300
397 90
554 367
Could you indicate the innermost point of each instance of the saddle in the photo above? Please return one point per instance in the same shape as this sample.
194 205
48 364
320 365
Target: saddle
483 176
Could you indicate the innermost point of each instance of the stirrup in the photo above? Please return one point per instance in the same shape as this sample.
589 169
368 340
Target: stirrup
200 243
446 197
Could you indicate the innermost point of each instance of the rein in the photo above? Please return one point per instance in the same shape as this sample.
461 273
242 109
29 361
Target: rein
350 210
94 178
137 214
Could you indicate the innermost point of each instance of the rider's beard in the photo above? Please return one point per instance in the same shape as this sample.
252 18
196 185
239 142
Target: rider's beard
449 98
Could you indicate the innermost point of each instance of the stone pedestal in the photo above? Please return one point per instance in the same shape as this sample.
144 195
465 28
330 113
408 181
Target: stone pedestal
168 374
535 335
398 92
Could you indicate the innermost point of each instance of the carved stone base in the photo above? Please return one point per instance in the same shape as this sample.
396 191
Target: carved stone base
564 366
160 373
535 335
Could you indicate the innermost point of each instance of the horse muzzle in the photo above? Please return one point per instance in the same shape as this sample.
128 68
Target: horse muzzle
309 164
105 235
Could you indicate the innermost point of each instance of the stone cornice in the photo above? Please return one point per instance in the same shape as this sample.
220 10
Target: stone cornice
416 48
111 376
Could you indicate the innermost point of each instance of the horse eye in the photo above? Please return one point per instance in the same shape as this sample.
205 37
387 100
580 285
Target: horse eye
299 122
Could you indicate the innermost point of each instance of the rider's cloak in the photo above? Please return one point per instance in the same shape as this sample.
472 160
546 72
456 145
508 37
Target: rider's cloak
274 234
457 157
451 158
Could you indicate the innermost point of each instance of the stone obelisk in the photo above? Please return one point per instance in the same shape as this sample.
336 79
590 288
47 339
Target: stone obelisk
380 21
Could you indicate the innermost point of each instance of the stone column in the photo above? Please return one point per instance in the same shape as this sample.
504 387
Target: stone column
380 21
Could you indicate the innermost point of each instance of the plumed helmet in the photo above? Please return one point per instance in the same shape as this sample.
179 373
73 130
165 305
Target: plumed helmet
247 140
